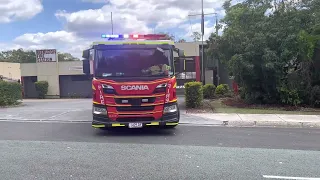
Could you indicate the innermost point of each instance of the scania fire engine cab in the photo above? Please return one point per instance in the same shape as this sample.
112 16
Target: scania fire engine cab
133 81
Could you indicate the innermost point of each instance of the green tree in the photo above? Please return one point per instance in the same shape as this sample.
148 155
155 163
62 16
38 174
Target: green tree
26 56
269 46
66 57
181 40
196 36
18 56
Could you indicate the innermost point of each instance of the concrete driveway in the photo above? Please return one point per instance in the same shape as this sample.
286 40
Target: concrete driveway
53 110
72 110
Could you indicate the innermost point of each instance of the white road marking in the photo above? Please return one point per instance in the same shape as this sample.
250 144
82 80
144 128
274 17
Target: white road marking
87 121
288 177
52 117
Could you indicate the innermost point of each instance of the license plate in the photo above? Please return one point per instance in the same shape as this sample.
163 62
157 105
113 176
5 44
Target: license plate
135 125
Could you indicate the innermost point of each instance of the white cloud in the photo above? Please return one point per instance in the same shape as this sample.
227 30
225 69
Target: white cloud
90 23
61 40
6 47
129 16
46 38
134 16
96 1
208 29
12 10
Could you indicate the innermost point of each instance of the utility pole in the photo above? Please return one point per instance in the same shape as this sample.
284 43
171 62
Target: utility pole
111 23
217 28
218 66
202 33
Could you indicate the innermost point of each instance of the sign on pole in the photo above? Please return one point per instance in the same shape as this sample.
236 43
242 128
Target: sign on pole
47 55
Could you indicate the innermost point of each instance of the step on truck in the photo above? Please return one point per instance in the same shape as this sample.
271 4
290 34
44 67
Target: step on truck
133 81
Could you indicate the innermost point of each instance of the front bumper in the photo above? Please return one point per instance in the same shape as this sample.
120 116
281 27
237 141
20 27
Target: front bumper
169 119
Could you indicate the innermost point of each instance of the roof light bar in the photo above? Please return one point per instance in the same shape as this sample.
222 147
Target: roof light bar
135 36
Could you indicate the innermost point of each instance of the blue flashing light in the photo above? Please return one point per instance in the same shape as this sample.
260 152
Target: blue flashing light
110 36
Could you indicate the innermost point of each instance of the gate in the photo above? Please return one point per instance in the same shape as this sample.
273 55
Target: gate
188 73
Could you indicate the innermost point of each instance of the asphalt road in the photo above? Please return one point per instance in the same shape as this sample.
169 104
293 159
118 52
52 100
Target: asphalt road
45 150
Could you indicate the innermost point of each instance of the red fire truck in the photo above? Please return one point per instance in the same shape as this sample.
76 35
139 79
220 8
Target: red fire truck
133 81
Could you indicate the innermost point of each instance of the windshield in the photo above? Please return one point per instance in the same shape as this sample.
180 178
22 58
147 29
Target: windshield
133 62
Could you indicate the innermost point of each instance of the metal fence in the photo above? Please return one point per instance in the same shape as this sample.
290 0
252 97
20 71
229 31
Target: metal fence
188 73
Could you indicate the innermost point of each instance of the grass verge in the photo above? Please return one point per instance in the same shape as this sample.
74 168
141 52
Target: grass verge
231 105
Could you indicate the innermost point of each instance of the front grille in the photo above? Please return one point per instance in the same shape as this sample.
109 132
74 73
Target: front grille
135 119
135 101
135 108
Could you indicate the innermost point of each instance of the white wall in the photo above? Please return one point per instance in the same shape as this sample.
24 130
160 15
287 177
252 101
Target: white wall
190 48
10 70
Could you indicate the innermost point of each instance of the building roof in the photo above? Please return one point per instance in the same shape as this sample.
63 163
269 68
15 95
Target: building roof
194 42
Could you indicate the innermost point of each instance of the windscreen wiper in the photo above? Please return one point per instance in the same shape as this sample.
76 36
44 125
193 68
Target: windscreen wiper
160 49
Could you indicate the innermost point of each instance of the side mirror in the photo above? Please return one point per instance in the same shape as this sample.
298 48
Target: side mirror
86 66
181 53
86 54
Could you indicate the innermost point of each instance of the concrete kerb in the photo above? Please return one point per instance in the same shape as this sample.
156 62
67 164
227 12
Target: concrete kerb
207 119
45 120
230 120
280 125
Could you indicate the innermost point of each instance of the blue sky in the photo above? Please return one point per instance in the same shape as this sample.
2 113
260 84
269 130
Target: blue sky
44 21
71 25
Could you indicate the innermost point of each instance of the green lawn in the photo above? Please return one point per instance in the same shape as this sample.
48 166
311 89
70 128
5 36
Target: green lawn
219 107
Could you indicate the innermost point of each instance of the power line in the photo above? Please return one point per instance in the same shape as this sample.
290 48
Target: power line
190 26
216 18
202 33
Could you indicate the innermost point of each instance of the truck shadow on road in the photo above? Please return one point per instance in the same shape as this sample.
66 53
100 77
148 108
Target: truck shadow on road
137 132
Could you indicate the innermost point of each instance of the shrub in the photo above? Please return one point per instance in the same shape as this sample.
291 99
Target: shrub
42 89
10 93
208 91
289 96
315 96
222 89
193 94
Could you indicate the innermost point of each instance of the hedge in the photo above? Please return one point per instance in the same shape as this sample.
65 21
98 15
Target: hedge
315 96
193 94
208 91
42 89
10 93
222 89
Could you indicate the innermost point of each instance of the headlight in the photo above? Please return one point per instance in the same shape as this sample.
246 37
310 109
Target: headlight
162 85
170 109
107 86
99 110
